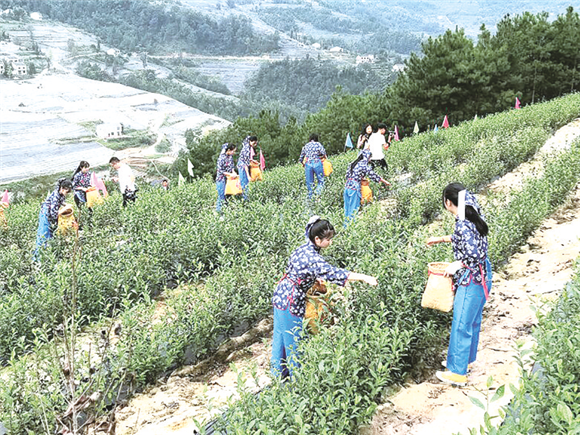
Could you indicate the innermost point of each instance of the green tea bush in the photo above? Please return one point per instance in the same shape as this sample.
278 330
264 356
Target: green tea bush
396 302
547 399
129 255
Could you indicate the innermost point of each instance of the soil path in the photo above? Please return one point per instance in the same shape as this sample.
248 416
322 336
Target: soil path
540 270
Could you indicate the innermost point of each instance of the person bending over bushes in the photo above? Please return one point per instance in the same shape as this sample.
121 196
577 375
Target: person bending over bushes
471 273
305 267
48 216
357 170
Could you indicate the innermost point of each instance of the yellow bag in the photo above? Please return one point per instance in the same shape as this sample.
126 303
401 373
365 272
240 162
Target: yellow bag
233 186
255 172
326 167
365 191
317 306
67 223
438 293
93 197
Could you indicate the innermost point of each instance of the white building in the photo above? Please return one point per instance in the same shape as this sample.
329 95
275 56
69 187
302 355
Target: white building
18 66
113 52
110 130
316 45
365 59
335 50
399 67
36 16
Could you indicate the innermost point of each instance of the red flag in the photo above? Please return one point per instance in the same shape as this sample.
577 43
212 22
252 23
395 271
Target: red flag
445 122
5 198
262 161
517 103
397 134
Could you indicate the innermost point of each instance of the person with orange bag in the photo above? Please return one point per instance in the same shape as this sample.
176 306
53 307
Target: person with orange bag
305 267
225 168
471 272
81 181
244 162
48 216
357 171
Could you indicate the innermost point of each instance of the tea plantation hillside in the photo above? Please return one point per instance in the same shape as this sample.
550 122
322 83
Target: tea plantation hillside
217 274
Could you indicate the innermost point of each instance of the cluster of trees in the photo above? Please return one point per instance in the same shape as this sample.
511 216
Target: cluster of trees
529 57
308 83
153 26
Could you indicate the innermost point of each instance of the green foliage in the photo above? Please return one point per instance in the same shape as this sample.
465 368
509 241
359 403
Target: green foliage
154 27
547 399
529 57
130 255
308 83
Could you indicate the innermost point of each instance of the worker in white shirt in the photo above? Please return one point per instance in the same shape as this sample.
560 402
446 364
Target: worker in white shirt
377 144
126 180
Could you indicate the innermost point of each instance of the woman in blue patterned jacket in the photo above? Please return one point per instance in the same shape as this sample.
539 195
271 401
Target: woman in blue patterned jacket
311 158
81 181
48 216
246 157
471 273
225 168
358 170
305 267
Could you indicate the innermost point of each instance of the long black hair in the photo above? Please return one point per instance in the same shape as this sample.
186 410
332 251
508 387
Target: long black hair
82 164
322 229
451 192
364 130
64 183
353 164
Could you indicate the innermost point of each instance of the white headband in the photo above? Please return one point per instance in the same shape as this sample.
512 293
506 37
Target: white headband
461 204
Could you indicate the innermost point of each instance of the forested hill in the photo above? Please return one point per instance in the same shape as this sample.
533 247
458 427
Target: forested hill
157 27
529 57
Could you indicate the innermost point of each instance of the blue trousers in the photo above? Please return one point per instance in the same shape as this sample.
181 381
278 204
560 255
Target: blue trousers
43 233
244 182
287 333
311 170
351 204
221 190
467 311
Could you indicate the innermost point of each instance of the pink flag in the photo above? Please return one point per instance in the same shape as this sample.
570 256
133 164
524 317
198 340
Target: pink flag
5 198
99 184
445 122
252 153
397 134
262 161
517 103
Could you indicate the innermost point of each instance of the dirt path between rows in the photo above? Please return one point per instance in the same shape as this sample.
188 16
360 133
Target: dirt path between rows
541 270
